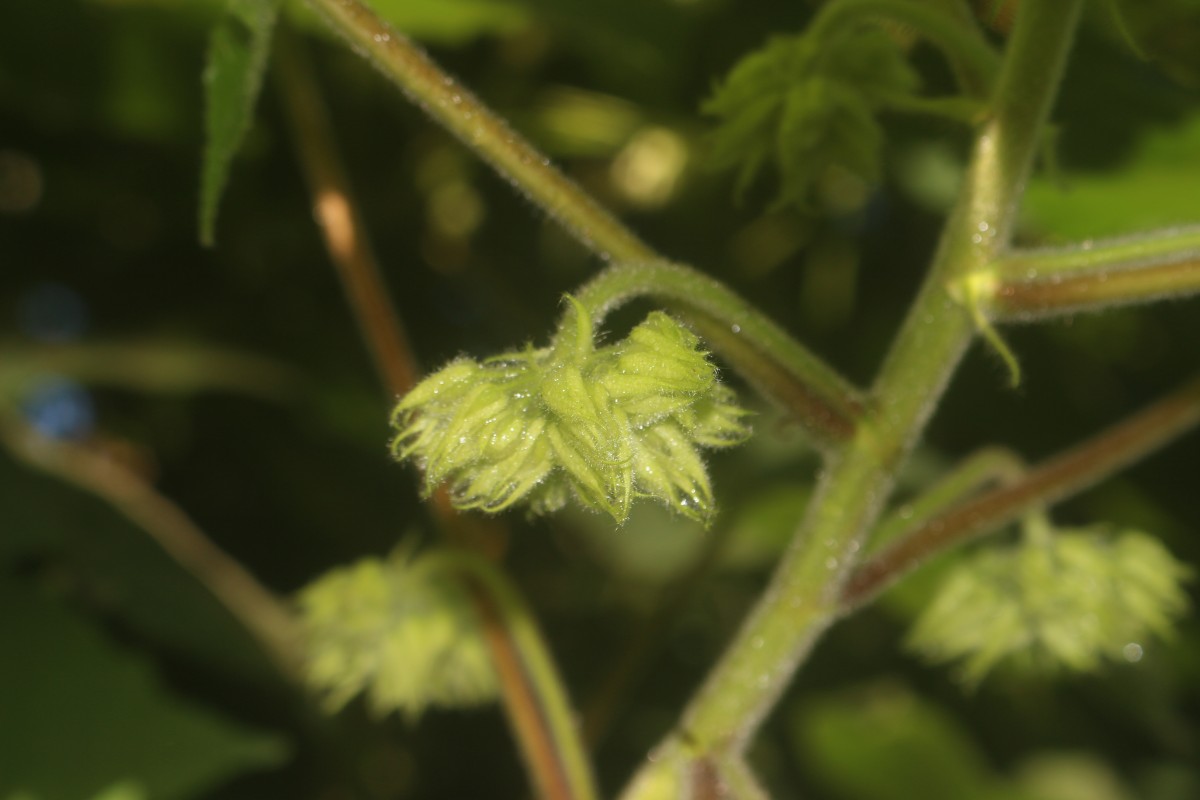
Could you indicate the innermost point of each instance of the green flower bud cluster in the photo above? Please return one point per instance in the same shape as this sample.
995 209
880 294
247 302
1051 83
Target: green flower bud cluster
804 103
1067 598
398 629
603 425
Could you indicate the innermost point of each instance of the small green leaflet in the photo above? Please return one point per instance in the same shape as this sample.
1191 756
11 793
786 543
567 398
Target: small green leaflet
237 58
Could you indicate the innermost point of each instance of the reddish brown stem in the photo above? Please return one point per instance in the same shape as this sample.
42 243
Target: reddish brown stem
525 712
341 224
1061 476
1067 293
345 236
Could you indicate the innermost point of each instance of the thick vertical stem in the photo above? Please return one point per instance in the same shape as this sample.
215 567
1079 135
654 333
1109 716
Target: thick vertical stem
804 595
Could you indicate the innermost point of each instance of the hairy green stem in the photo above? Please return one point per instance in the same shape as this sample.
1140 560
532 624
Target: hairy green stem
1059 477
1126 252
984 467
823 406
762 352
1093 275
1021 300
571 778
479 128
735 779
804 597
961 42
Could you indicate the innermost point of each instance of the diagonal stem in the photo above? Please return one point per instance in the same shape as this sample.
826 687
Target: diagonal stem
489 136
1041 298
977 471
566 773
1064 475
1039 283
1126 252
804 598
342 227
762 352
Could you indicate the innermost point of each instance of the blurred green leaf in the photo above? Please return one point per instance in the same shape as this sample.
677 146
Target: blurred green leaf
806 104
80 716
237 59
1163 31
1070 776
653 547
1155 187
444 22
886 743
122 790
763 525
452 21
152 365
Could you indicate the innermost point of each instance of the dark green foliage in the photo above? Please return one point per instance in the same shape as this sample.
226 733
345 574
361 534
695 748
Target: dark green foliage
806 105
78 716
237 59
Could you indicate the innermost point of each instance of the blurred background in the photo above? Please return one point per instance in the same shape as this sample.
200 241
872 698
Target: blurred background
232 381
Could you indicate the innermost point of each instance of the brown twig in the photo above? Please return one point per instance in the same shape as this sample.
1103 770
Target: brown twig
1070 293
1066 474
525 712
341 224
346 241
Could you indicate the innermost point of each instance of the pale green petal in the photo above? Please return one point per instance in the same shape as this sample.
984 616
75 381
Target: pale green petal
717 421
668 468
446 383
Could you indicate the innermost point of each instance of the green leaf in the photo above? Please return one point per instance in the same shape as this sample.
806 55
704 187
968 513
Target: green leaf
398 631
1146 192
445 22
237 59
146 366
900 736
807 105
452 21
763 526
1166 32
81 717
